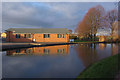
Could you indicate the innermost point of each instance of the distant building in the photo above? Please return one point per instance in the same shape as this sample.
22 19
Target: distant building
102 38
3 35
37 35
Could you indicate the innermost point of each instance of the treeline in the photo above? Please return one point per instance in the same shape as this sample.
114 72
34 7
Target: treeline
96 18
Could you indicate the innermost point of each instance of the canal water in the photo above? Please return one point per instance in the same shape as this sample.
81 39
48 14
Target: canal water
61 61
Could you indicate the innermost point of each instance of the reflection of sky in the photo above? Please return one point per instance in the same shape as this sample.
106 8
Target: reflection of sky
79 57
47 15
42 66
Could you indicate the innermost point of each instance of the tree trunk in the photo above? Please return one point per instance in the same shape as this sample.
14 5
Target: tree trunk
94 37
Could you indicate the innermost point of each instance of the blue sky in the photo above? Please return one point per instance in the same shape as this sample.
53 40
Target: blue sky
47 14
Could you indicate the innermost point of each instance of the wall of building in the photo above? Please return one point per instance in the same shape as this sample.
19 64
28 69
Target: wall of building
53 38
11 37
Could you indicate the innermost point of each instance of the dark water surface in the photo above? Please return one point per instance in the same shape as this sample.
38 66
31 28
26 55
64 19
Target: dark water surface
61 61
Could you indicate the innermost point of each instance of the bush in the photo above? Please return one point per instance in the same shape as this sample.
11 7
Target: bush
73 37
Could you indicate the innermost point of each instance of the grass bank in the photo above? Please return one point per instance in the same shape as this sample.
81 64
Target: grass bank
106 68
84 41
81 41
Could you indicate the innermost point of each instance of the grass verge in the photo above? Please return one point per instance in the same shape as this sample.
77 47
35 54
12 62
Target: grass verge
106 68
84 41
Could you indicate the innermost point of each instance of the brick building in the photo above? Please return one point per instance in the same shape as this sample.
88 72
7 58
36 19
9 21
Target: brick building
37 35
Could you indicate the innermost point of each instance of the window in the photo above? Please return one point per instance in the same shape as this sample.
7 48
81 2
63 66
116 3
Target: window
24 35
27 35
60 35
18 51
28 51
57 35
63 35
46 51
17 35
46 35
61 51
25 51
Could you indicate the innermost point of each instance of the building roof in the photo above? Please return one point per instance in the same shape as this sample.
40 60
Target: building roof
39 30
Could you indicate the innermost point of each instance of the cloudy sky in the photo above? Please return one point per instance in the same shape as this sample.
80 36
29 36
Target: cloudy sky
46 14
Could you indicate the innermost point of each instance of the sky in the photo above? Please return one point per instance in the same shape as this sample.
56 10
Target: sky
47 14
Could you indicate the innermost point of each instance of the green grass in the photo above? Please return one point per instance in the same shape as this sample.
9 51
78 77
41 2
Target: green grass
84 41
106 68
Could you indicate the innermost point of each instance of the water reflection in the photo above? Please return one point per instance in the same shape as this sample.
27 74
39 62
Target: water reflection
42 51
102 46
48 62
90 53
115 49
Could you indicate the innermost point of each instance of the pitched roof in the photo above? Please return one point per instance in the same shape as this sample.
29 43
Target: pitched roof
39 30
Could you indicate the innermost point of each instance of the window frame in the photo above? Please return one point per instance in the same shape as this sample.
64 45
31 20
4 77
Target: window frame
46 51
18 51
46 35
64 36
58 36
61 36
62 51
27 35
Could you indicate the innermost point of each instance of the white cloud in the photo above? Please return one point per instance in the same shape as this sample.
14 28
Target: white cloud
67 11
17 10
60 15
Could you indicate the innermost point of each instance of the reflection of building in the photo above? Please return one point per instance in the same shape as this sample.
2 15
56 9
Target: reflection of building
102 46
49 50
37 35
3 35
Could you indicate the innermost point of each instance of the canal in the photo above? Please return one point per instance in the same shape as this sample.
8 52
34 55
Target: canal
61 61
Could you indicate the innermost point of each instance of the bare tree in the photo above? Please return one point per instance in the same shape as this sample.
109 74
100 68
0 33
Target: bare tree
111 17
91 22
95 19
70 31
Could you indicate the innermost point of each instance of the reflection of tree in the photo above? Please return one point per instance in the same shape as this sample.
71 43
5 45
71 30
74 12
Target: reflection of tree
92 21
115 48
90 53
111 17
87 53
